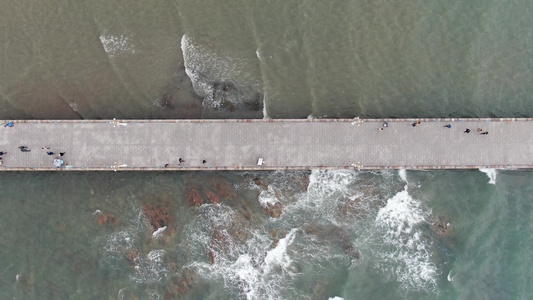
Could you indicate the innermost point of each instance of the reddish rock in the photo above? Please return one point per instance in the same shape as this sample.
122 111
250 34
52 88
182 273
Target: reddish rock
260 183
211 257
302 182
350 207
441 226
182 283
132 257
193 196
212 197
223 188
219 240
273 210
106 219
158 215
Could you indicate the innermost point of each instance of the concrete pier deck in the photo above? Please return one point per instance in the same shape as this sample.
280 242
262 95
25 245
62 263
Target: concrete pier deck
111 145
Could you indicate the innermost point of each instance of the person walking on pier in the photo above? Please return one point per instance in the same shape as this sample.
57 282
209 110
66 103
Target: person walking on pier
2 153
24 149
485 133
448 126
61 153
181 160
467 130
204 161
49 153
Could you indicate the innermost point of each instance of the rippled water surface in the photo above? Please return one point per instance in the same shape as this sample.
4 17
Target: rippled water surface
266 235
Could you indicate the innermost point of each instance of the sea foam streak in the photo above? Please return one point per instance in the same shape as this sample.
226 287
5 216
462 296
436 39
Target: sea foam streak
491 173
115 45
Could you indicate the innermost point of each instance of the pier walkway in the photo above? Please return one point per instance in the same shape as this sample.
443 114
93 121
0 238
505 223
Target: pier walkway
111 145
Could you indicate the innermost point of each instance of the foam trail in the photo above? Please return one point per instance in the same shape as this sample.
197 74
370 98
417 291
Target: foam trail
403 175
491 173
335 298
265 113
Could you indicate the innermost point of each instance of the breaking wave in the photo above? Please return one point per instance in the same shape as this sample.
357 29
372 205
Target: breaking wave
243 256
491 173
220 78
405 253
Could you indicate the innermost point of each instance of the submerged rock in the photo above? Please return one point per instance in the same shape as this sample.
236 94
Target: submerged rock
216 191
350 207
441 226
193 196
186 280
106 219
260 183
223 188
132 257
274 210
212 197
158 216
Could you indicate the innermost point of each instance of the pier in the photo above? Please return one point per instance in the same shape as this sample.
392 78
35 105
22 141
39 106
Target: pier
271 144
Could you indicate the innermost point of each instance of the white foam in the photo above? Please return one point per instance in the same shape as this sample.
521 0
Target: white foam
325 187
491 173
450 277
253 266
151 268
116 44
403 175
278 256
407 255
331 183
400 214
335 298
267 197
265 113
159 231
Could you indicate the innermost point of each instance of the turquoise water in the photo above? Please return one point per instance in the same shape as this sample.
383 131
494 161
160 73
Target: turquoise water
266 235
342 233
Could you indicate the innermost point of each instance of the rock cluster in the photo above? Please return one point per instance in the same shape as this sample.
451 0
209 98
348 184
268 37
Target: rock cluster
106 218
216 191
441 226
